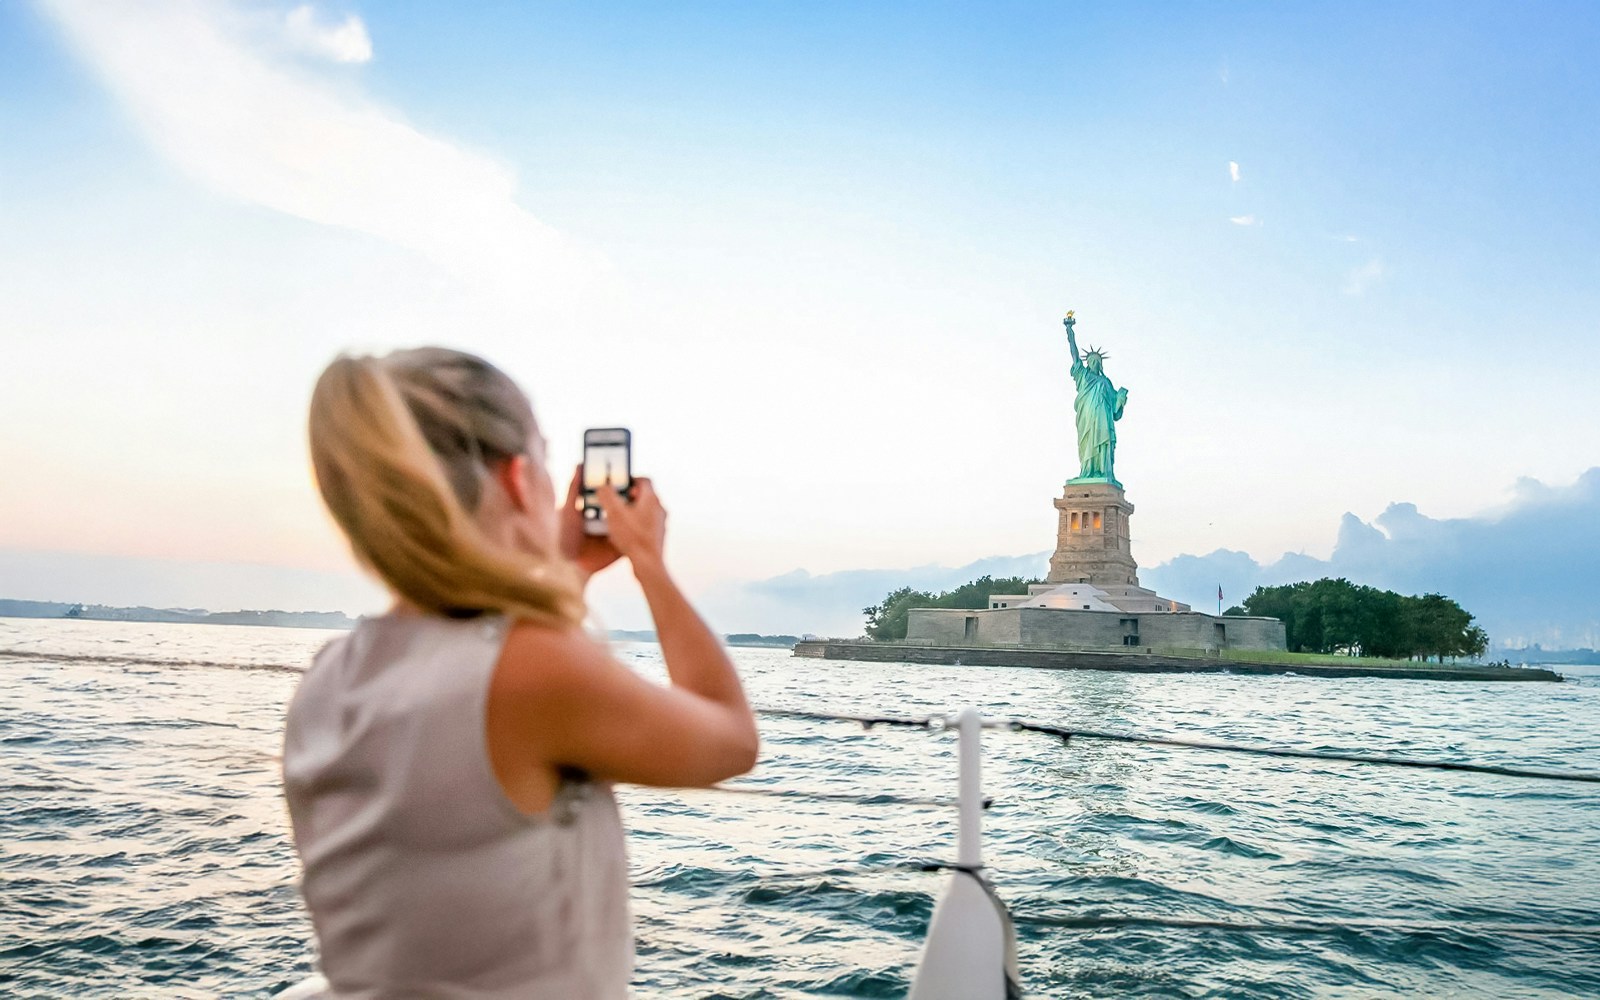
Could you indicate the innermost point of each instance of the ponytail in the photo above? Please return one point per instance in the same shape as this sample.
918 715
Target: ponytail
400 446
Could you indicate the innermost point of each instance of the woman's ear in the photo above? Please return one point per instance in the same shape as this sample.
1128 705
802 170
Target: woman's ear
512 475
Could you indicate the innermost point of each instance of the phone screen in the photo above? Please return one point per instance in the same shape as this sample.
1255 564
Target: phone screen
607 458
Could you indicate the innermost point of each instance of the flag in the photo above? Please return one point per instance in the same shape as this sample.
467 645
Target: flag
1219 591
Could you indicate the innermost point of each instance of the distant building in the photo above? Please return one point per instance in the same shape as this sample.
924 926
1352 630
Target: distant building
1093 599
1097 627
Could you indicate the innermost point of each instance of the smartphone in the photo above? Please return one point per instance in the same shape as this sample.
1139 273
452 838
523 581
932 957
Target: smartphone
607 458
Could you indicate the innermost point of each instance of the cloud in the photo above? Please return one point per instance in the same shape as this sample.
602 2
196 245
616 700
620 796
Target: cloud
346 42
1359 280
1233 171
1244 220
221 104
831 603
1527 570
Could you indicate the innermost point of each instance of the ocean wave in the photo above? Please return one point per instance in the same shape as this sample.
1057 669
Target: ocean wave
148 852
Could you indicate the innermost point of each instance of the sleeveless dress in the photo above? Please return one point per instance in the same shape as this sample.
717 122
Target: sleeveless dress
422 878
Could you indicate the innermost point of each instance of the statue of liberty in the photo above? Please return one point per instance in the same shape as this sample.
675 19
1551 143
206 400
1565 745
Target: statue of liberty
1098 408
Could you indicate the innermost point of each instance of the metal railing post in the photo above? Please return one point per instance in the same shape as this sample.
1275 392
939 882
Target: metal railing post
969 841
964 956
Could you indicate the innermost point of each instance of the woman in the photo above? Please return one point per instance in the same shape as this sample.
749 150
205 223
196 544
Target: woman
448 764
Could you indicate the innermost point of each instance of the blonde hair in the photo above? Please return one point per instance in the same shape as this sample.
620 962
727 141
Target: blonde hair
401 446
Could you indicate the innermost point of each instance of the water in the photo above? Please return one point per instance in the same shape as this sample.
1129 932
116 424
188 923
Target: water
144 848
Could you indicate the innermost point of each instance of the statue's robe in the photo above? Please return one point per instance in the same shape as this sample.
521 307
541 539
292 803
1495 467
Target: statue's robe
1098 407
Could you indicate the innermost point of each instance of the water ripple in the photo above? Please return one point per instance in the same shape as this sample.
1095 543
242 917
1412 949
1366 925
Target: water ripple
146 851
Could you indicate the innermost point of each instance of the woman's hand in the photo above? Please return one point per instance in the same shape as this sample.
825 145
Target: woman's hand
591 553
638 529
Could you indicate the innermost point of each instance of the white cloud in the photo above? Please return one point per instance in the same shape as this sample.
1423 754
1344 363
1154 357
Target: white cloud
347 42
1363 277
1233 170
217 103
831 603
1244 220
1524 570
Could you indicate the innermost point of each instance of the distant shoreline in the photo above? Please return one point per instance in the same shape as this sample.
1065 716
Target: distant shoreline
174 616
1148 663
337 620
750 640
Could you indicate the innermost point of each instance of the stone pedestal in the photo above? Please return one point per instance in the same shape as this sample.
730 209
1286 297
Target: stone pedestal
1092 540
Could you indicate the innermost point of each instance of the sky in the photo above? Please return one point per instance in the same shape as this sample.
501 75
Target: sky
816 257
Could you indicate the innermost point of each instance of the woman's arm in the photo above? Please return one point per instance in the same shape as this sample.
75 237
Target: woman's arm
696 659
559 698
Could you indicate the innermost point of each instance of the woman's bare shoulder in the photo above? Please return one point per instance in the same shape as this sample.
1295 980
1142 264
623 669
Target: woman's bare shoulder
547 660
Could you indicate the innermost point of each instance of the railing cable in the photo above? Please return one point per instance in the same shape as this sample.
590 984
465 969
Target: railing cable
1090 922
1066 735
932 723
936 723
873 799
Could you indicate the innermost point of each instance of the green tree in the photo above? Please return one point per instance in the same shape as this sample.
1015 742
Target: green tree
968 595
1475 641
977 593
1425 629
889 618
1440 627
1275 602
1338 609
1337 616
1381 627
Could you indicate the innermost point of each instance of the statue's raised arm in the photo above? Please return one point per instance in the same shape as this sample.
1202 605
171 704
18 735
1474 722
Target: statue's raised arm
1072 340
